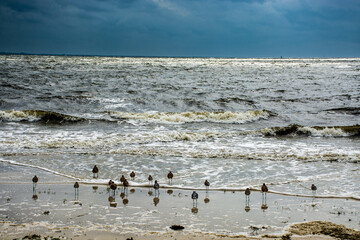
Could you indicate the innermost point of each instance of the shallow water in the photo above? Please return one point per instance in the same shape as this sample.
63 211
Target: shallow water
53 205
236 122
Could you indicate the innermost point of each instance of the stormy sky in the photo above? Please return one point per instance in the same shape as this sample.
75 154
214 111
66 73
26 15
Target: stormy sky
193 28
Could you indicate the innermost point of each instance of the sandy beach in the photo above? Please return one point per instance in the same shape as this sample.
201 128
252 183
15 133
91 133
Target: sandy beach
53 209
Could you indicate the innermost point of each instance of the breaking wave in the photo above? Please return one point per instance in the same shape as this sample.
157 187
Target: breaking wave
191 117
314 131
37 116
151 117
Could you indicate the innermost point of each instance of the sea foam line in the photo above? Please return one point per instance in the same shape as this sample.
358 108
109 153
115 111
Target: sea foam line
37 167
190 117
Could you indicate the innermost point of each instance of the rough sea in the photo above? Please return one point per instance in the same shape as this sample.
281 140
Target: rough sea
239 123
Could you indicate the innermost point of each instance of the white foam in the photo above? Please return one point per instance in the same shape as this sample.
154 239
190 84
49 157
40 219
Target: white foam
189 117
17 116
325 132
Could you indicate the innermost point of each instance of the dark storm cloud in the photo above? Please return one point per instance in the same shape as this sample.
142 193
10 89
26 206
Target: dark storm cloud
231 28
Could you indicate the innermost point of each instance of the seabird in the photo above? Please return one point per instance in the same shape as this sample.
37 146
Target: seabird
170 176
122 179
150 178
113 187
264 188
194 197
247 196
207 184
132 175
156 187
95 171
76 186
35 180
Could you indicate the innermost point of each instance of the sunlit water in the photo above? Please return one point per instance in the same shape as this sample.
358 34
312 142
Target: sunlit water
236 122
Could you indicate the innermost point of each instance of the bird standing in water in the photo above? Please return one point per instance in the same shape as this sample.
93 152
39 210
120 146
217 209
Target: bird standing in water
156 187
150 178
76 187
247 195
125 183
132 175
122 179
313 188
35 180
170 177
95 172
125 186
194 197
207 184
264 190
113 187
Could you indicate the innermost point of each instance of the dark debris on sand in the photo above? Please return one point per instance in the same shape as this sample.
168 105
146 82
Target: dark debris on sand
177 227
325 228
38 237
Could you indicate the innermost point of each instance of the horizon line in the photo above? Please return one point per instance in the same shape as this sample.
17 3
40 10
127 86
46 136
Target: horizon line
147 56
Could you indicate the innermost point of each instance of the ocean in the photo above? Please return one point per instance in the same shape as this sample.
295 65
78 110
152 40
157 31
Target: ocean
239 123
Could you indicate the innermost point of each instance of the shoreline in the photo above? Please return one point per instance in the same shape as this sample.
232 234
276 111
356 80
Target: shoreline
54 209
69 179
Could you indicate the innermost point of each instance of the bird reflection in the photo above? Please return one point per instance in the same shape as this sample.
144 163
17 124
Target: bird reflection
264 206
156 201
35 196
206 199
111 198
150 193
194 210
112 202
123 195
170 191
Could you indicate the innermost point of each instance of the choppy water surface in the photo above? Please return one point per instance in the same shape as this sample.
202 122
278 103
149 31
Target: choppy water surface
236 122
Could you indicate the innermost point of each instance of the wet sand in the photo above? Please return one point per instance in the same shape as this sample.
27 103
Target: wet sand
53 209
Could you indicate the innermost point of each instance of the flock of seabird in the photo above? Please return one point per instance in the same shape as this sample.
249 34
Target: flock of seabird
156 186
